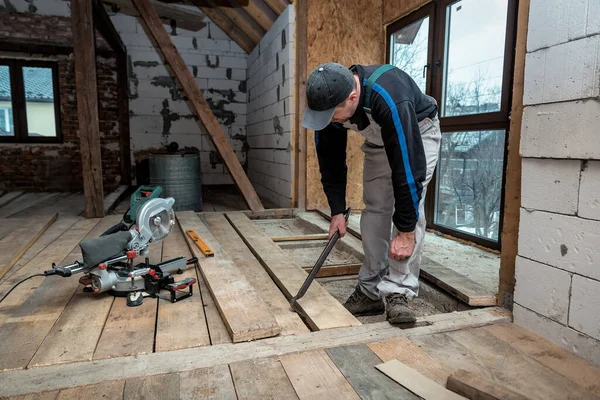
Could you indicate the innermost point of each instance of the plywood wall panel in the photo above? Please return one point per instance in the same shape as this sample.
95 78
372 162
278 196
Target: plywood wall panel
395 9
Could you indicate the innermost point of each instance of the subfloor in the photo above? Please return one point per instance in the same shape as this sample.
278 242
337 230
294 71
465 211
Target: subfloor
66 343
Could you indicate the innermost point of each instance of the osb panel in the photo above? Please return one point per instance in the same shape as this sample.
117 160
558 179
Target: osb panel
336 33
394 9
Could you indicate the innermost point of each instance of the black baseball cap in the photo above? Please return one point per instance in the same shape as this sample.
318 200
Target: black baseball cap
327 86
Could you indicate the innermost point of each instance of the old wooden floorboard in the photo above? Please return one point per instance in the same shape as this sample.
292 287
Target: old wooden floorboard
8 197
161 387
473 386
322 310
261 379
27 200
357 363
244 312
130 330
108 390
207 383
92 372
243 258
182 324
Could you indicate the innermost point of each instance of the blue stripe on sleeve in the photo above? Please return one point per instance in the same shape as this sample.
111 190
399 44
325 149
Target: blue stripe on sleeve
316 138
403 147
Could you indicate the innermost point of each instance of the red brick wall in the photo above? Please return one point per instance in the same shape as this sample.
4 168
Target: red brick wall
57 167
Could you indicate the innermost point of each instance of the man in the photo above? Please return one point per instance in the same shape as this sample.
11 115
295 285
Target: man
402 138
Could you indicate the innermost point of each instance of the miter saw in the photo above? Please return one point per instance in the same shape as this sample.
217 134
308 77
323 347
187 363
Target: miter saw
108 261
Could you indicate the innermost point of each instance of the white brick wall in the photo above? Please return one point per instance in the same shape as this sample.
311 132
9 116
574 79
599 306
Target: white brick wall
158 113
541 177
270 114
557 293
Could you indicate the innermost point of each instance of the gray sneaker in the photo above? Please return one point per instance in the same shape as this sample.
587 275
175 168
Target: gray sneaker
361 305
397 309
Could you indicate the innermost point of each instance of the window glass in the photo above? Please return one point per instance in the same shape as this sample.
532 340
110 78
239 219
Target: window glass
408 50
6 115
39 100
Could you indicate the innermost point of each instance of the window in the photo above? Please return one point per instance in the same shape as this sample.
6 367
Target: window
460 53
29 106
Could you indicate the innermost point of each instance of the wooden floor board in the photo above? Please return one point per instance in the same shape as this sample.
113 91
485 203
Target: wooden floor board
207 383
244 313
112 199
473 386
243 258
404 350
357 363
159 387
323 311
24 202
315 376
108 390
183 324
130 330
261 379
9 197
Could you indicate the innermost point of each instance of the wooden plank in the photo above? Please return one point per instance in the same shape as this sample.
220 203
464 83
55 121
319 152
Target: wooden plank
245 23
415 382
512 187
75 334
91 372
25 326
261 379
547 353
277 5
161 387
37 396
52 233
475 387
456 284
336 270
190 87
243 258
244 313
8 225
216 327
314 376
300 238
108 390
349 243
272 213
8 197
261 14
227 26
59 252
113 198
356 363
87 106
130 330
26 201
404 350
20 240
301 42
183 324
207 383
185 18
322 310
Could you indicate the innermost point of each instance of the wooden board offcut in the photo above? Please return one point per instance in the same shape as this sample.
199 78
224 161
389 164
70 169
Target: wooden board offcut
474 387
244 313
321 309
261 379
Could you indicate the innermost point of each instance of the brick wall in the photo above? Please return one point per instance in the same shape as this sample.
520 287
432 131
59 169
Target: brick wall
558 267
271 111
158 112
47 167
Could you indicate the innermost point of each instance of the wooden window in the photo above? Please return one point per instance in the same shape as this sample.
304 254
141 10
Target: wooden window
29 103
461 53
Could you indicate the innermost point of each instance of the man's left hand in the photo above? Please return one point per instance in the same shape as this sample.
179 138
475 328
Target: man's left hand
402 245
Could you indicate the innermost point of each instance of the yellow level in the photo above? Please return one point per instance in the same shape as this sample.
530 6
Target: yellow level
201 245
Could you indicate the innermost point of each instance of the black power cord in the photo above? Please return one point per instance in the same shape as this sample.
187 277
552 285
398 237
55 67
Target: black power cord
14 287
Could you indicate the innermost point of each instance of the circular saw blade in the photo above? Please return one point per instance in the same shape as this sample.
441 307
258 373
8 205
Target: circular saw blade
157 218
161 224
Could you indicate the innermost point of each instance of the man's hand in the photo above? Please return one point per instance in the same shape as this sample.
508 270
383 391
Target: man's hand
338 222
402 245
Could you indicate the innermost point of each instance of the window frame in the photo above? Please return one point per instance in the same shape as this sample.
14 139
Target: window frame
499 120
19 107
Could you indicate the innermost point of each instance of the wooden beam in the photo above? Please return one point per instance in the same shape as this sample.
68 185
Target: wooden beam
190 87
474 386
301 238
87 107
512 188
322 310
261 14
272 213
301 41
277 5
245 23
19 382
227 26
336 270
106 28
183 17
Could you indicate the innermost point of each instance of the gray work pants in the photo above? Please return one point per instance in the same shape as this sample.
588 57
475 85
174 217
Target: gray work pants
379 276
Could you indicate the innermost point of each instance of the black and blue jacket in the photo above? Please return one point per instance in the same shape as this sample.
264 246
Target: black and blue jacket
397 106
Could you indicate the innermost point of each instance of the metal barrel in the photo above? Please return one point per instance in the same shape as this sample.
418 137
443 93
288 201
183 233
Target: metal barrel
179 176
